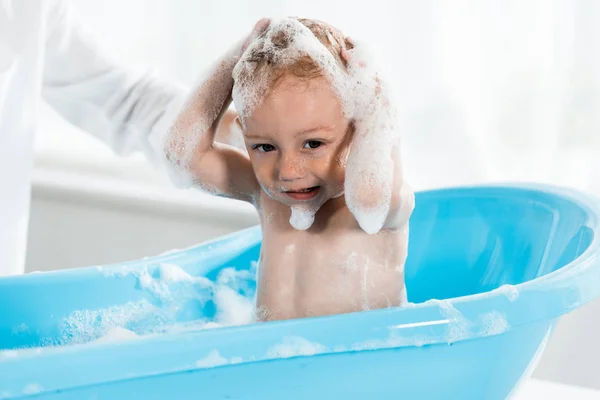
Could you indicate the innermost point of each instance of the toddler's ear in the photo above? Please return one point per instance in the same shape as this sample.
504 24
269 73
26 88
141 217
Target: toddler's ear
238 122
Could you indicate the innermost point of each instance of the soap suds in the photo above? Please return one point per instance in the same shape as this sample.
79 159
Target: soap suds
174 273
233 295
174 290
458 326
263 313
213 359
364 272
493 323
284 42
370 167
403 296
392 341
270 217
511 291
158 281
116 334
302 217
235 309
83 326
295 346
368 186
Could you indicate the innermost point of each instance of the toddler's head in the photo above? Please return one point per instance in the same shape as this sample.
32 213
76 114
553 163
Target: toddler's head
288 89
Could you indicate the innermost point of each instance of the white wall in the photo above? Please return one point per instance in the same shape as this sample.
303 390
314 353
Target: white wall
81 219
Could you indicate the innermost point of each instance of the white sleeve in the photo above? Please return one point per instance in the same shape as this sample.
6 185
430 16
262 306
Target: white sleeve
128 110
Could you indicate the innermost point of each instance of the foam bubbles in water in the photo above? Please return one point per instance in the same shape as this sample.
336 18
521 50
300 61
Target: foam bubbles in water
83 326
174 273
174 291
234 307
117 334
159 282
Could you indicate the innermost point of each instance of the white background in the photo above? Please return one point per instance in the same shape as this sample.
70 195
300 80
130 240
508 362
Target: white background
494 91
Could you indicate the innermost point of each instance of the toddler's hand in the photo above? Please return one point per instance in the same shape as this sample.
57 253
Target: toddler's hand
258 29
370 167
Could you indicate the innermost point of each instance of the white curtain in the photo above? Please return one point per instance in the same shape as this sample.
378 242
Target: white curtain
511 91
489 91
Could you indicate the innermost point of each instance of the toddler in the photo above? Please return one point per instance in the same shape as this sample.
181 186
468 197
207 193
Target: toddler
321 166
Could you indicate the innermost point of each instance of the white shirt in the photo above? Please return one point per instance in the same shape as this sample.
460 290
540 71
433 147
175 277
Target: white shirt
46 56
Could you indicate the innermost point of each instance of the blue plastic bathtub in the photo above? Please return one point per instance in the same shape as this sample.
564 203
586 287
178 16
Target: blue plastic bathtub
504 263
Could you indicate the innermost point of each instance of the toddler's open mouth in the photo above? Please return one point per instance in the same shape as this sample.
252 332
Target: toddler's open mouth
303 194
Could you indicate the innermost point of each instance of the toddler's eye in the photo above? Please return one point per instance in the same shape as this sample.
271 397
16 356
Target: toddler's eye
312 144
265 148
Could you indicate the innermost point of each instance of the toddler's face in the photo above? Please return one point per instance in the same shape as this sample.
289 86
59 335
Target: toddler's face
298 141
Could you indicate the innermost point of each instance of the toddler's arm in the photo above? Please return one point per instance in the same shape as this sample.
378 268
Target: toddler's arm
375 190
190 145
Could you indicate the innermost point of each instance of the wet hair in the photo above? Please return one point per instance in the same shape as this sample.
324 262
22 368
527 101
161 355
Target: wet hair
267 61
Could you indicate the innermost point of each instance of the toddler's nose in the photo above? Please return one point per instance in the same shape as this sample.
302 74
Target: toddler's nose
291 168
